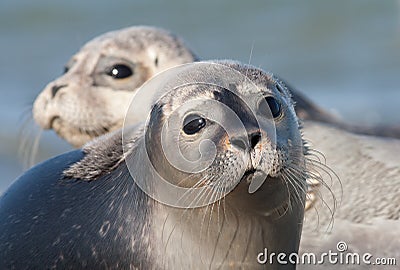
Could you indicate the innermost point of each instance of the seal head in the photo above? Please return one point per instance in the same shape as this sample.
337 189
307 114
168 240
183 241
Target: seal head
92 96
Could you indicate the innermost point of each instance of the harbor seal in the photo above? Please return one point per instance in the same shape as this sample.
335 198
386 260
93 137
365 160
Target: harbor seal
84 209
93 94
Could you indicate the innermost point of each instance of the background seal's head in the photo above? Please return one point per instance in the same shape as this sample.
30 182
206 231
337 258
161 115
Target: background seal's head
93 94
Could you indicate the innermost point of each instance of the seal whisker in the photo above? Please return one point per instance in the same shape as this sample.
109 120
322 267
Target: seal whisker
289 201
219 183
315 165
251 54
295 174
286 177
312 171
186 194
317 177
224 222
235 233
325 169
185 211
316 153
220 228
221 208
204 194
28 148
312 167
291 178
213 195
208 195
315 156
209 211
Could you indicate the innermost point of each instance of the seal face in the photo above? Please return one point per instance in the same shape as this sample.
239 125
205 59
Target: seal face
92 96
104 217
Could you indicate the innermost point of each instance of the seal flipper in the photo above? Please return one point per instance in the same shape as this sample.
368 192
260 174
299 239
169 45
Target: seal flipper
102 155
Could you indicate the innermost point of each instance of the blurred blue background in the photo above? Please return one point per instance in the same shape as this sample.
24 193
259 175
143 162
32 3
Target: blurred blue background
345 55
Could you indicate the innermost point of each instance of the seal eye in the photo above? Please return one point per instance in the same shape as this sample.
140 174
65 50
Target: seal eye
193 123
120 71
274 106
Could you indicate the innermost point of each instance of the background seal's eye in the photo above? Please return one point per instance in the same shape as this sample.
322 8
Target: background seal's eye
120 71
193 123
274 106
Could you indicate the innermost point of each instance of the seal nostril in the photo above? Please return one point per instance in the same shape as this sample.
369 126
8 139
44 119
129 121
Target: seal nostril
242 143
56 88
239 143
254 139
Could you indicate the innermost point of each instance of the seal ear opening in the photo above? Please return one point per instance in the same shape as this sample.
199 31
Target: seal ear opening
156 61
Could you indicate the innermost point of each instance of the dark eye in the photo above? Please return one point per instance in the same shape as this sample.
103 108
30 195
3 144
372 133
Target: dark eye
120 71
274 106
193 123
66 69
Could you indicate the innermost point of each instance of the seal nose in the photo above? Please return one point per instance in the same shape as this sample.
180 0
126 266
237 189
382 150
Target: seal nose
239 142
254 139
242 143
56 88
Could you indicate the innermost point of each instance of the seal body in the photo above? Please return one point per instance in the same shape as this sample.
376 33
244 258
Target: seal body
88 209
51 222
110 223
